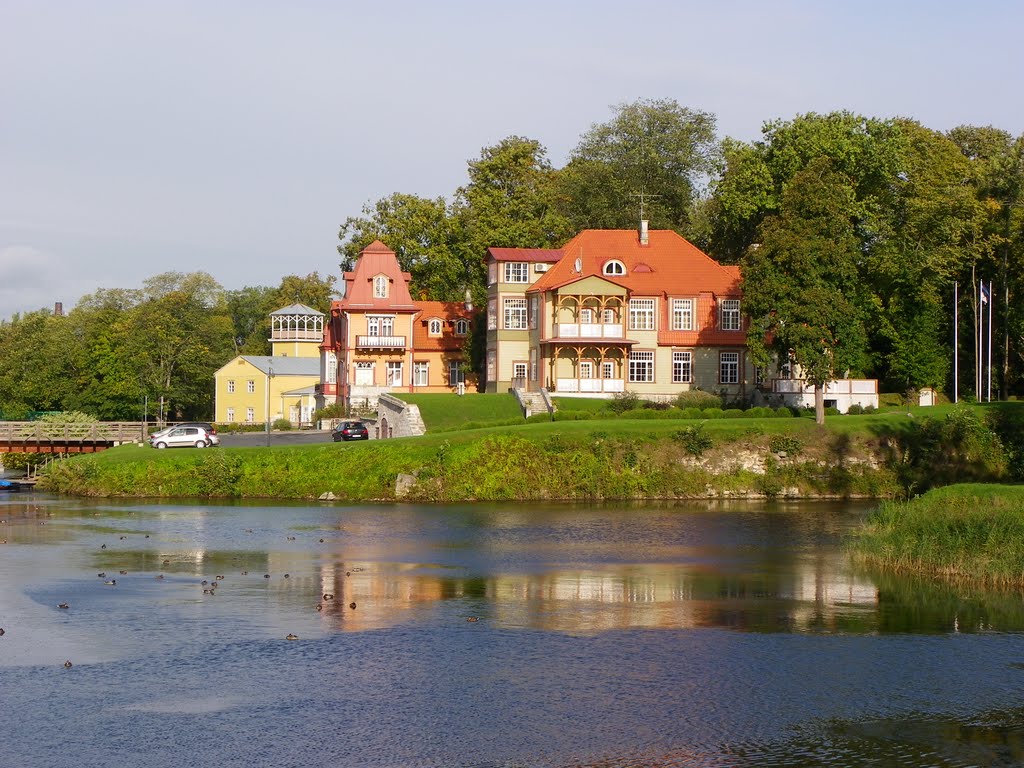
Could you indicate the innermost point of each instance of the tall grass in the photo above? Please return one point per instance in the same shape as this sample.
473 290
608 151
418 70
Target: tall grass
972 532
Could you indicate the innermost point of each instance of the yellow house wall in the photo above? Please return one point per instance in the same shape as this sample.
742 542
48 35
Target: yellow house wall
295 348
242 372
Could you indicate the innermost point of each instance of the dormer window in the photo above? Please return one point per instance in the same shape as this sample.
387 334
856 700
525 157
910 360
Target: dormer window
461 327
614 267
434 327
380 287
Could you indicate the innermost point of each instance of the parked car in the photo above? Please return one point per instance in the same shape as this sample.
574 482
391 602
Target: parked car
211 429
350 430
184 437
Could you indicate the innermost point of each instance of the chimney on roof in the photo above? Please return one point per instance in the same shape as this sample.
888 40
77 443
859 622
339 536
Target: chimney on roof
469 300
58 309
643 232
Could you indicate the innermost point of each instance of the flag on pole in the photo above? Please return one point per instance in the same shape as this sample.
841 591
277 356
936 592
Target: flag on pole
984 294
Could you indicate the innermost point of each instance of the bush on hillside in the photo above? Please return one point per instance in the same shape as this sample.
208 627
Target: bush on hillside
690 413
624 401
712 413
282 424
734 413
698 398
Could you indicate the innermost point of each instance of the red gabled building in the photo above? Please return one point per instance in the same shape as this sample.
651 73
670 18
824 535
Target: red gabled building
378 339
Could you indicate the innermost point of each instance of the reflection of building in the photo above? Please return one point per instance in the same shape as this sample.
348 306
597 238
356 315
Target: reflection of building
615 310
282 383
379 340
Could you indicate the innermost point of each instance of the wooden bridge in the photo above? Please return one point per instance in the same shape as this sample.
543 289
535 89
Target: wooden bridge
43 437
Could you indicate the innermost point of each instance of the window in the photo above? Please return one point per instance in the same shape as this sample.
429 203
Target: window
420 374
394 372
641 366
492 315
332 368
231 415
641 314
380 326
586 369
456 375
729 368
250 386
533 365
380 287
682 314
250 415
515 314
607 370
608 316
614 267
461 327
519 374
492 361
434 327
586 316
231 386
682 367
517 272
730 319
534 311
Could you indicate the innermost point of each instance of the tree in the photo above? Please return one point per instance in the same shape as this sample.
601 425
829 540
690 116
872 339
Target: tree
312 290
800 285
250 309
651 147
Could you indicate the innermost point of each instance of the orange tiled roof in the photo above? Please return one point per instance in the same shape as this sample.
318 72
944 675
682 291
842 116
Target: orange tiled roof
525 254
669 265
448 312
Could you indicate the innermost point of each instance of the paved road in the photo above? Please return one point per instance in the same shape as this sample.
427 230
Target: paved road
295 437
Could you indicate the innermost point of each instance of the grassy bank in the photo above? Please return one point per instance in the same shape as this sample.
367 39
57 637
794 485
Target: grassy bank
619 459
880 455
972 532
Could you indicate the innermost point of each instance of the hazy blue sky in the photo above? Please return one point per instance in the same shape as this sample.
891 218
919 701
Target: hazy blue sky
234 136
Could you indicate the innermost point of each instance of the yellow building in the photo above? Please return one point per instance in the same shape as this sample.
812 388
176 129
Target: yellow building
255 389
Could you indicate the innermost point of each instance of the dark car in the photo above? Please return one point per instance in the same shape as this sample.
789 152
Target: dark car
350 430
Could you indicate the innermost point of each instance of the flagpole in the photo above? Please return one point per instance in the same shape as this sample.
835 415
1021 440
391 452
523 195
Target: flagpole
979 351
990 303
956 345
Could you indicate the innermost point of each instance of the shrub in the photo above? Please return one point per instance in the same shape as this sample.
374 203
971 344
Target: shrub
694 439
869 409
569 416
690 413
855 410
655 405
282 424
698 398
832 411
332 411
712 413
624 401
734 413
787 444
760 413
784 413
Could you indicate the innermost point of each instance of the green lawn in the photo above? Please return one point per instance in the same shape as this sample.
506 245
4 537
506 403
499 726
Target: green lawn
444 411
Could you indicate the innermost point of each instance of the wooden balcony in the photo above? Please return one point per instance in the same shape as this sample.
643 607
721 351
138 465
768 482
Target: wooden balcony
380 342
588 330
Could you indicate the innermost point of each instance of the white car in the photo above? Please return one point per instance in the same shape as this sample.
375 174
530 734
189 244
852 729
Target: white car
184 437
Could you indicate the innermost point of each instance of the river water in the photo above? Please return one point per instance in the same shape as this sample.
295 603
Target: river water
482 635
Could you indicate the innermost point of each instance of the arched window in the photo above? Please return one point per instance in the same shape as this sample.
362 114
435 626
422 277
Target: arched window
380 287
461 327
614 267
434 327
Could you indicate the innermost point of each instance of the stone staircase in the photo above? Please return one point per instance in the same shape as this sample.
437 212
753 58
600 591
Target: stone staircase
530 402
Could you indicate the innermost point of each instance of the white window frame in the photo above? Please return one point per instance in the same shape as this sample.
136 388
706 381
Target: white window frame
380 287
641 314
434 327
682 367
331 364
586 369
587 315
380 325
607 370
729 315
250 415
728 367
517 272
231 386
456 375
514 313
682 314
461 327
364 365
608 316
231 415
614 268
641 366
250 386
420 373
492 315
393 370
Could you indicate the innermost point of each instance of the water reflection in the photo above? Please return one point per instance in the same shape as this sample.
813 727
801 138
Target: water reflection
710 635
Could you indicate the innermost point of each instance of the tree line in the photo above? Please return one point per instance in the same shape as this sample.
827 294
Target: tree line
851 232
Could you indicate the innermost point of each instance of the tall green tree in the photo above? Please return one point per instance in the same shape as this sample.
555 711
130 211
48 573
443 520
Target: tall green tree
801 285
651 147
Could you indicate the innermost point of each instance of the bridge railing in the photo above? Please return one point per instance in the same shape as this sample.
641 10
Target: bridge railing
106 431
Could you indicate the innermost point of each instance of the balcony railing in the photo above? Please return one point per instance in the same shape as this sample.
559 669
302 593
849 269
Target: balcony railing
588 330
381 342
590 385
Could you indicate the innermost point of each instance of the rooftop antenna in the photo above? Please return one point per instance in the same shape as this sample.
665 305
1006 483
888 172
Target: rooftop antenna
644 197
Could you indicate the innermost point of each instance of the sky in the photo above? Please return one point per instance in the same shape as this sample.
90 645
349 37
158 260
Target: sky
235 136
